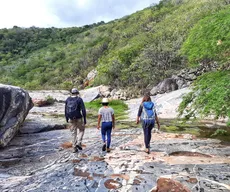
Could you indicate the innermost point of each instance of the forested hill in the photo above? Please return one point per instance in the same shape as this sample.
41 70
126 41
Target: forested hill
136 50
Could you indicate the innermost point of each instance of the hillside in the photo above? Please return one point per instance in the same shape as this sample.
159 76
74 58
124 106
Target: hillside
143 48
135 51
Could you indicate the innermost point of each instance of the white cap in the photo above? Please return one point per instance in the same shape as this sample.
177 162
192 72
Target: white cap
105 100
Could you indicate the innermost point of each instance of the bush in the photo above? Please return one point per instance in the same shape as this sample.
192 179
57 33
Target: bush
50 100
210 96
220 132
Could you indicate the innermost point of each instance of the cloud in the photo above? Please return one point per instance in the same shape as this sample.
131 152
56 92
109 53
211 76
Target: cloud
25 13
81 12
65 13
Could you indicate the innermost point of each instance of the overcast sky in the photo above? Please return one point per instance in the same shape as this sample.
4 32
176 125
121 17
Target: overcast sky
65 13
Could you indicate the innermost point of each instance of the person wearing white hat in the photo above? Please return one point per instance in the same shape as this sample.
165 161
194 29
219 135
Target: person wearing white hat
75 113
106 121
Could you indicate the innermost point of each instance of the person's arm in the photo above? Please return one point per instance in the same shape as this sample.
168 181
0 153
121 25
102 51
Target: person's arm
67 119
139 114
157 120
113 121
83 110
99 121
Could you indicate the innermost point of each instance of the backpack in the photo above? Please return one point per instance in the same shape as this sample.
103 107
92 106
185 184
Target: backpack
148 111
72 107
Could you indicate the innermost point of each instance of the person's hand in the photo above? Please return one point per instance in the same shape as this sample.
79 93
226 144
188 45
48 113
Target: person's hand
158 127
114 127
98 127
137 121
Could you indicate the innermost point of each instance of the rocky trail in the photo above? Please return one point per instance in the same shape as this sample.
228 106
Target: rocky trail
40 158
45 162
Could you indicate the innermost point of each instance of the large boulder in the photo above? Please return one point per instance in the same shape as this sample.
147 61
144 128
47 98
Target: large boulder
166 104
15 104
165 86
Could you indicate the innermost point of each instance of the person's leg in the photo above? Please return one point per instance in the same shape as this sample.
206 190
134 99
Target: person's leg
73 129
81 128
103 133
149 133
108 133
145 130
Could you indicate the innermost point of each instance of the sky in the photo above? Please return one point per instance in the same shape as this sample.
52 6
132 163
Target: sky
65 13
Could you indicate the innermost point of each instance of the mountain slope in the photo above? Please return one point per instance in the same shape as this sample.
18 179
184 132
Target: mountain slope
137 50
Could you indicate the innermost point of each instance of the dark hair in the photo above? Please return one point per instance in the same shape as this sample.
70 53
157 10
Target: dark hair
105 104
146 98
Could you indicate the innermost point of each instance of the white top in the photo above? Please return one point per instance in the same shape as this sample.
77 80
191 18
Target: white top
106 113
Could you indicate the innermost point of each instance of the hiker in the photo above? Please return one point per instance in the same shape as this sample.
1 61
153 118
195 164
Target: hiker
147 114
107 120
75 113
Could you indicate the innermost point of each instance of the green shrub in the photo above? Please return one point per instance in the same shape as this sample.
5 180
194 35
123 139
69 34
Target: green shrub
210 96
219 132
49 99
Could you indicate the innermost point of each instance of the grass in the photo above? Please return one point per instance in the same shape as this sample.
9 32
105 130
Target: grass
120 111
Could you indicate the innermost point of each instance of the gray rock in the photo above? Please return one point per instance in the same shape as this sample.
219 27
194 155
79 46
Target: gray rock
57 95
165 86
90 94
91 75
15 104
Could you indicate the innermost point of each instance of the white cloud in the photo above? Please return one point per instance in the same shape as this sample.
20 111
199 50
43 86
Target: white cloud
65 13
25 13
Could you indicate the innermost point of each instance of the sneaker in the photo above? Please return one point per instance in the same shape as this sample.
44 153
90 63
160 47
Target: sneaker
104 147
108 150
75 150
79 147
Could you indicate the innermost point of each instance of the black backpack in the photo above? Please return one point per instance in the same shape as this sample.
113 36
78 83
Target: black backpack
72 107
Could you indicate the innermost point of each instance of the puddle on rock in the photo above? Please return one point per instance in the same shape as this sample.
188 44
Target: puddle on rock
188 153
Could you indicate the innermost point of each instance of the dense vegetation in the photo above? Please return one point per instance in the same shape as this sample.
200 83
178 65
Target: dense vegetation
208 42
210 96
135 51
142 48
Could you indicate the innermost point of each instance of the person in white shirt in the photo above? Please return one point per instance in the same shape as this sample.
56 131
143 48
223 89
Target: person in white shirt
106 121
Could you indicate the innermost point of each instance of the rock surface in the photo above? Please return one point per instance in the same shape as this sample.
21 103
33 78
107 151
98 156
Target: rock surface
15 104
166 86
41 159
61 95
166 104
39 162
183 79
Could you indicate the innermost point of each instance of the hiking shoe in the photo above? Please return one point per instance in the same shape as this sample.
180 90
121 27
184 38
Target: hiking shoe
147 150
104 147
108 150
75 150
79 147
